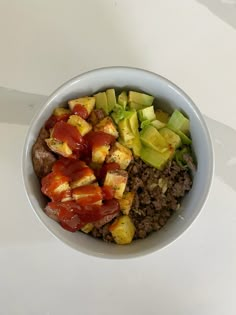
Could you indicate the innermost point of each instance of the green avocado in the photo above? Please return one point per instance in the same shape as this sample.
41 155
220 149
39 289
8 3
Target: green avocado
151 138
111 99
185 139
126 133
129 134
162 116
140 98
157 124
155 158
171 137
101 101
123 99
178 121
135 106
146 113
133 122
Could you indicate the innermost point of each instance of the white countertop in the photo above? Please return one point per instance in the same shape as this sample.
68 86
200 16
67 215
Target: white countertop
44 43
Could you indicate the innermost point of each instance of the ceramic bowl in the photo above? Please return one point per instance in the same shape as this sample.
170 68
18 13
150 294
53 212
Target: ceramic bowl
170 97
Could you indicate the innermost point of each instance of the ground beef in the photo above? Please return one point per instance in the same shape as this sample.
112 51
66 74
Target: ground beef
42 157
157 196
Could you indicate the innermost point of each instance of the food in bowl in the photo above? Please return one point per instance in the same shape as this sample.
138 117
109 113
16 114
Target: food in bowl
113 165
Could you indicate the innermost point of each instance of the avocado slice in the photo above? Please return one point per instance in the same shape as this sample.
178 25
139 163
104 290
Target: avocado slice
135 106
124 129
151 138
155 158
185 139
133 122
129 134
136 146
111 99
101 102
146 113
178 121
162 116
157 124
171 137
140 98
123 99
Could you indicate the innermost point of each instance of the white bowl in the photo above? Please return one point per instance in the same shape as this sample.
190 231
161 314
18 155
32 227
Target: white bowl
169 95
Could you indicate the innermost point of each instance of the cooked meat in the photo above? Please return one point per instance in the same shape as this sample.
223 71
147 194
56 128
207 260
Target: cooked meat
53 214
157 196
96 116
189 161
42 157
105 220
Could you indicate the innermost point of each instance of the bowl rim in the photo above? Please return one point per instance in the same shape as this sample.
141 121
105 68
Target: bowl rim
60 90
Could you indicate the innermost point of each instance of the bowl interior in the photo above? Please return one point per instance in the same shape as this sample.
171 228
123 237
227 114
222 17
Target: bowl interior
169 97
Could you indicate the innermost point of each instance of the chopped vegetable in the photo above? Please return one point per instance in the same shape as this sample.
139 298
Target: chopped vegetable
179 122
123 99
152 138
119 154
147 113
87 102
106 125
117 180
140 98
95 140
111 99
80 123
126 202
101 101
122 230
171 137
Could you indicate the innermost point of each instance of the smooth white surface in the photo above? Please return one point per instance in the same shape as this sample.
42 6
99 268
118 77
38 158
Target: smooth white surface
43 44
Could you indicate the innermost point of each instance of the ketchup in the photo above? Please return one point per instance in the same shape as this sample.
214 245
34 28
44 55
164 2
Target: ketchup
80 110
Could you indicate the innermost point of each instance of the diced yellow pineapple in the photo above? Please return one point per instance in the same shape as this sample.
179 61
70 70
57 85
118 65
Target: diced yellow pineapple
59 147
122 230
87 228
81 194
86 178
87 102
117 180
89 194
126 202
119 154
62 187
66 199
58 111
99 153
82 125
107 125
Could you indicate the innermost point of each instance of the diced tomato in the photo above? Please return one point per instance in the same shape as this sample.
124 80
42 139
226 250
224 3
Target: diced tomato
51 183
69 134
108 167
98 138
53 119
107 192
80 110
